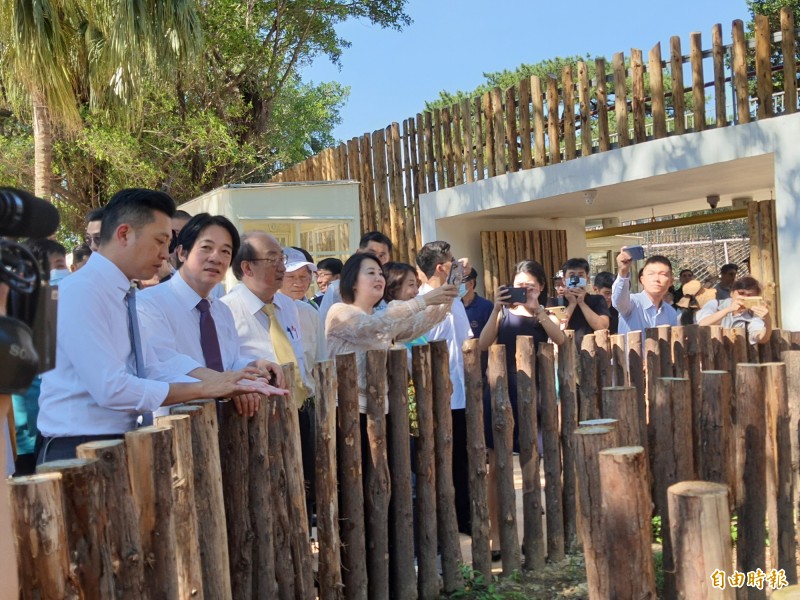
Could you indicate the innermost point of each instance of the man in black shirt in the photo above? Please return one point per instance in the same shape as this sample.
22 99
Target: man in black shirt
586 313
602 286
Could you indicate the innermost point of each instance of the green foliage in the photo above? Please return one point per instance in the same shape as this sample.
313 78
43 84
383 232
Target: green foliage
658 567
476 587
655 528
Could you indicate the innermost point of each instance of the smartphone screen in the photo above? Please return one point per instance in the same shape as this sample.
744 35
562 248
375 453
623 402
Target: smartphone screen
519 295
636 252
456 274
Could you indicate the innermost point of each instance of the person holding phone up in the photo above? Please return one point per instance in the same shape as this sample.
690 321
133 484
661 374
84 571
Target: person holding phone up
745 308
518 310
586 313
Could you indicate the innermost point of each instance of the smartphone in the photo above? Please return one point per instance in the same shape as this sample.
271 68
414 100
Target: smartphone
751 301
560 312
517 295
636 252
456 274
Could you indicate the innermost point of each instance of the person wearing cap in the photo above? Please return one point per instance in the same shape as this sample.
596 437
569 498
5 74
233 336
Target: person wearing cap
694 297
560 288
478 308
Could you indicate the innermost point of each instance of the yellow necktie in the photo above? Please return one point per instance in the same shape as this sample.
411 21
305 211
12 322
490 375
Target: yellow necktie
284 352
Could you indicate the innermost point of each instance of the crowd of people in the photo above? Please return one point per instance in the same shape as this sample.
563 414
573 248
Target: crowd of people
144 323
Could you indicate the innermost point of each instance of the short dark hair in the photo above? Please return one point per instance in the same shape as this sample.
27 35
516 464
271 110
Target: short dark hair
246 252
536 270
374 236
431 255
96 214
395 273
576 264
192 230
685 271
334 265
80 253
746 283
350 271
603 279
42 248
181 214
728 268
134 206
472 275
658 259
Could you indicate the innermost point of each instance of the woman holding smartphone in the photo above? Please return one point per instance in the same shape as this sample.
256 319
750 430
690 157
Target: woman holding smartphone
522 315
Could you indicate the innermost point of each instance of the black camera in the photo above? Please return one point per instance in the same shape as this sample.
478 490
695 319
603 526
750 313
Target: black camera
574 281
28 331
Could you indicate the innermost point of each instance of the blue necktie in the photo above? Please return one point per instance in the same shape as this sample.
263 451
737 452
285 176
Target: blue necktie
209 342
136 343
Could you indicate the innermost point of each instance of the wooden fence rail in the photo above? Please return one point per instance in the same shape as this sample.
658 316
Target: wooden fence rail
565 116
112 525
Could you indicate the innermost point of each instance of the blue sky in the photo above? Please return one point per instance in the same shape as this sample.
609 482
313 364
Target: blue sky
451 43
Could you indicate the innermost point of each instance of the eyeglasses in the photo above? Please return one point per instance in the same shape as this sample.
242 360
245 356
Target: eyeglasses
272 261
88 239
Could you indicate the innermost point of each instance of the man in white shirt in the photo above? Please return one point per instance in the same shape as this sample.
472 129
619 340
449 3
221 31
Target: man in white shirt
435 260
173 313
94 391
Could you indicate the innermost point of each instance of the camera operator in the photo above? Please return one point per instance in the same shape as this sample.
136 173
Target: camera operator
97 389
586 313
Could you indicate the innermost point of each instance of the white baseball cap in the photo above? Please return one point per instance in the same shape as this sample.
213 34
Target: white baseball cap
296 260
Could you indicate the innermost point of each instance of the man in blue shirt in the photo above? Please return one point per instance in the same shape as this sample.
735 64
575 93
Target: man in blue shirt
647 308
478 308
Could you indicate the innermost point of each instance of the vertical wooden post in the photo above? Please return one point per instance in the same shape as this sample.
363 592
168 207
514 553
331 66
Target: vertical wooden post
503 428
763 67
627 508
354 554
656 72
376 500
589 400
620 360
403 577
41 538
680 361
700 535
190 571
554 510
693 361
428 570
652 349
588 443
636 378
751 467
533 538
620 403
601 91
620 99
698 88
208 499
476 452
789 60
567 376
605 376
122 536
673 459
678 101
780 486
718 53
792 360
739 51
81 487
715 451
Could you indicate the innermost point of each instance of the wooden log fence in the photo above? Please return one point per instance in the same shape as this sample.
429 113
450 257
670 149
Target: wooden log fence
506 130
366 537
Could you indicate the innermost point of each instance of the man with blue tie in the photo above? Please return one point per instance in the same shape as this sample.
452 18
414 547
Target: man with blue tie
98 389
187 328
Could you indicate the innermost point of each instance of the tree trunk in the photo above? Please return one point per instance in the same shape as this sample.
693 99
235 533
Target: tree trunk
42 147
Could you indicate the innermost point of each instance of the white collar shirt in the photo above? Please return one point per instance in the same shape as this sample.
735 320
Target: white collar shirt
455 329
253 325
93 389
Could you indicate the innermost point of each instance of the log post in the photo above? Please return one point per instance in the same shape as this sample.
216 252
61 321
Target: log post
41 539
376 498
653 346
502 432
82 493
589 392
716 448
354 554
780 512
476 451
788 593
620 403
680 359
567 378
289 422
694 367
234 459
627 508
330 572
700 535
121 525
190 573
209 503
673 460
588 443
751 467
708 349
428 569
279 501
637 380
402 575
620 359
551 446
605 374
792 360
533 541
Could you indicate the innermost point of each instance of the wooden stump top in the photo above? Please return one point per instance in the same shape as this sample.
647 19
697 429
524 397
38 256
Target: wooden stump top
594 429
622 450
37 479
66 464
102 444
599 423
698 488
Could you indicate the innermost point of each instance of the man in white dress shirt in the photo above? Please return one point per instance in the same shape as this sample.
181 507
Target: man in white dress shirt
435 260
172 314
94 391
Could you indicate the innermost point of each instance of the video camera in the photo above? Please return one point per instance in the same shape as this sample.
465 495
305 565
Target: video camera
28 329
